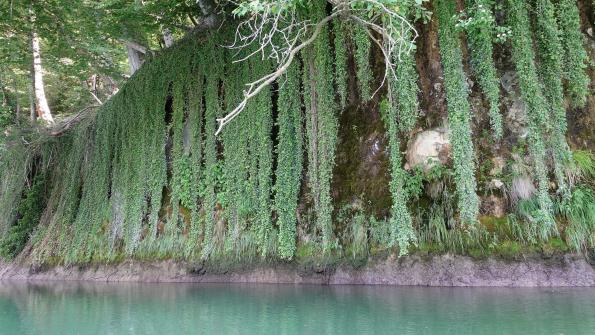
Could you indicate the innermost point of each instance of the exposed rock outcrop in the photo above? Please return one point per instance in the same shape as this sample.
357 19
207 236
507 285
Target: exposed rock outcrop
428 148
443 270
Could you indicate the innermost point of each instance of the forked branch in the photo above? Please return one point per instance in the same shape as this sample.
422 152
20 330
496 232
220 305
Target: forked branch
255 87
277 36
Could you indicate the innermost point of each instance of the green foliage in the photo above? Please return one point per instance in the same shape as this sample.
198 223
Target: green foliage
482 30
289 161
585 162
508 249
528 215
380 232
29 212
523 57
404 89
264 152
7 115
74 46
248 160
94 206
194 126
402 232
549 52
322 128
459 115
340 42
413 185
183 178
355 234
276 7
14 163
399 114
146 178
61 236
236 153
212 110
579 212
362 60
575 57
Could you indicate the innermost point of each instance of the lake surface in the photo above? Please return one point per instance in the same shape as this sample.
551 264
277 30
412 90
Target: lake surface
88 308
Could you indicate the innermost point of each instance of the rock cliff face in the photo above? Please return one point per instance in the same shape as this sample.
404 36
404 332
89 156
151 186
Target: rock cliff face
148 179
445 270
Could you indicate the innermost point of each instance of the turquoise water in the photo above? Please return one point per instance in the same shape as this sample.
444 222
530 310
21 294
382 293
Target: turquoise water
80 308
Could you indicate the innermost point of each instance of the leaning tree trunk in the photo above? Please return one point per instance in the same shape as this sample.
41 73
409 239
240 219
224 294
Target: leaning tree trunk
41 104
134 57
17 100
32 115
168 38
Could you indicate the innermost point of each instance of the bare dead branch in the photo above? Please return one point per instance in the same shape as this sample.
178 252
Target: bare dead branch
279 35
257 86
96 98
136 46
71 121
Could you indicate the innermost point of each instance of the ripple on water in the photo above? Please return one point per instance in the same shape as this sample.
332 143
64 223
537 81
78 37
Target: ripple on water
92 308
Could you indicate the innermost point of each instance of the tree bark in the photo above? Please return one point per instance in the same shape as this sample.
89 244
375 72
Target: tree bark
32 115
17 100
210 17
168 39
41 104
134 59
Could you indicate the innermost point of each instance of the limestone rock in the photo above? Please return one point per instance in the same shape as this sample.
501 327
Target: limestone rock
428 148
508 81
493 205
496 184
498 164
516 118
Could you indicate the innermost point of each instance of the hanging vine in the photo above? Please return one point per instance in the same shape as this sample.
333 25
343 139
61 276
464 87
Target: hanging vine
147 178
481 28
235 153
322 127
402 232
213 108
289 161
362 59
404 89
194 127
399 113
263 112
550 52
459 115
532 94
94 207
575 56
340 34
59 242
14 163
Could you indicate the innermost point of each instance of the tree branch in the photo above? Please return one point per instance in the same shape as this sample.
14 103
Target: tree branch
137 46
71 121
277 34
257 86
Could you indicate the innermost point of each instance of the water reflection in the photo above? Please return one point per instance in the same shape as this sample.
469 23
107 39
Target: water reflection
90 308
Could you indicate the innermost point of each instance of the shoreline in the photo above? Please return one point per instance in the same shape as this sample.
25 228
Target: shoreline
439 270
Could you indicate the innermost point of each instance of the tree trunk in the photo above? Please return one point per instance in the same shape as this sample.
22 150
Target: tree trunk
17 100
210 18
32 115
167 38
134 59
41 104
